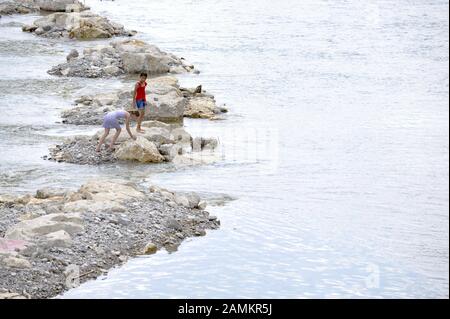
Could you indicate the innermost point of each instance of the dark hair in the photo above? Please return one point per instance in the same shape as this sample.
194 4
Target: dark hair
143 74
135 113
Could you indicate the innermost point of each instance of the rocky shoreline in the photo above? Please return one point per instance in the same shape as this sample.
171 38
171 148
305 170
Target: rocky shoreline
56 239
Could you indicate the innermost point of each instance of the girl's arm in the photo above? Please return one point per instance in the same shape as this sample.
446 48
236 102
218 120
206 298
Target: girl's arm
127 125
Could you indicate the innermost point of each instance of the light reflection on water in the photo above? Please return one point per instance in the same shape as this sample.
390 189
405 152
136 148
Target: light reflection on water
351 184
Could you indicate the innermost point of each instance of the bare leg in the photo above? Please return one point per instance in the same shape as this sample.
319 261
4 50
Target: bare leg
139 121
111 146
102 139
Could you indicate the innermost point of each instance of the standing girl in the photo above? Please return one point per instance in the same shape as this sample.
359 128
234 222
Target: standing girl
140 100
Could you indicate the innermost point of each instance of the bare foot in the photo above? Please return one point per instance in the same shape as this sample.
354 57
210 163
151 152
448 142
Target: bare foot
111 148
139 130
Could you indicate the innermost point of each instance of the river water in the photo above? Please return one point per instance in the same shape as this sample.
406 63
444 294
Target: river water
335 151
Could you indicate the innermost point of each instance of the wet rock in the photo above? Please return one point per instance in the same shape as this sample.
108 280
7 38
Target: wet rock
201 143
72 55
150 249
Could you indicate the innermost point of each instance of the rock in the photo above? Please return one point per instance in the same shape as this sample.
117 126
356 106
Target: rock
80 25
92 206
126 56
181 136
158 135
201 107
58 239
11 246
44 225
70 149
193 199
72 55
60 5
201 143
115 191
190 200
17 7
156 124
11 295
47 192
168 196
182 200
140 150
169 151
202 205
7 199
15 262
174 224
150 249
200 233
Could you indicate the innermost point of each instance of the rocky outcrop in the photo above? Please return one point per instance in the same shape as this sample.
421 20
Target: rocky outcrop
201 104
165 103
117 58
60 5
159 142
17 7
141 150
79 25
42 241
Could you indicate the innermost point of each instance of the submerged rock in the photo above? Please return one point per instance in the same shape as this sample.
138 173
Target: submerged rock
79 25
120 57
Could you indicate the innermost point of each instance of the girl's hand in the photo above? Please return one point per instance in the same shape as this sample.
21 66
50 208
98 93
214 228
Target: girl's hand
134 138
